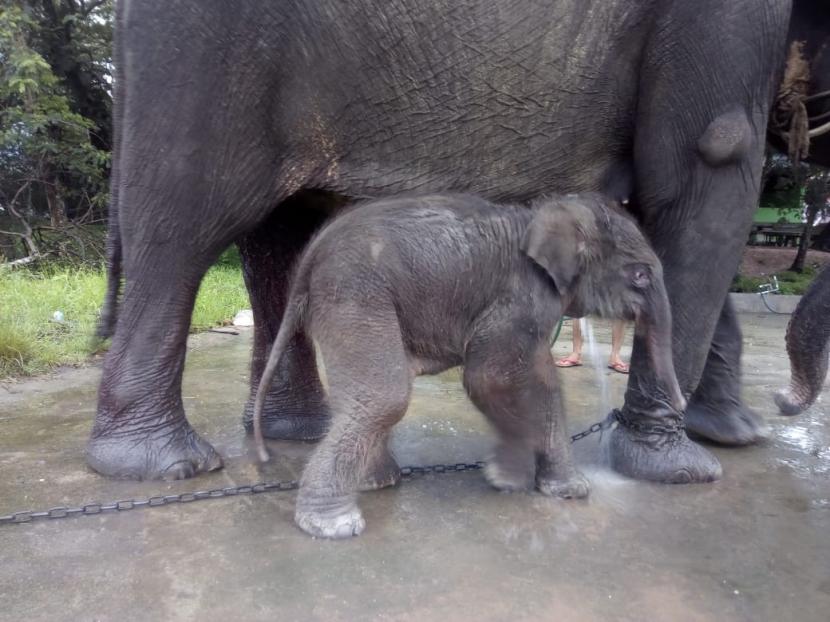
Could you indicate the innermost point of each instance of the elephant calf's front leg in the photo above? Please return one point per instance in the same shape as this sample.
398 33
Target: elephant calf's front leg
556 475
517 392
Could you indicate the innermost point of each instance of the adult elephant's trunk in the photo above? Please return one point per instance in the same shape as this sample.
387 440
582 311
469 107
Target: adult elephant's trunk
808 335
655 324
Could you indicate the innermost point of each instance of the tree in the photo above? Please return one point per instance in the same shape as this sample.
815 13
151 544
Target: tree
816 197
803 189
54 123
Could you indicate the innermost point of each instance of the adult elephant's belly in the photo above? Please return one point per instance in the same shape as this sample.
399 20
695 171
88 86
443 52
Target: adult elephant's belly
476 101
515 169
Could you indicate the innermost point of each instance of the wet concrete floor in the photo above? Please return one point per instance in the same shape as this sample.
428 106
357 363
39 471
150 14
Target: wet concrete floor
754 546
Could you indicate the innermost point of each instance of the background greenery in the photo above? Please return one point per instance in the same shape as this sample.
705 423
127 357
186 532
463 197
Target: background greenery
789 282
31 341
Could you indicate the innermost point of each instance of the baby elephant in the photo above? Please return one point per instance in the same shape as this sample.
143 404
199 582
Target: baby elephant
406 286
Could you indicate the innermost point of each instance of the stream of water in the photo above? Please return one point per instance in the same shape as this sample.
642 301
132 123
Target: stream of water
598 363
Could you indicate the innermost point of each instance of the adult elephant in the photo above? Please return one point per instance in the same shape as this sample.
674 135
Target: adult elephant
250 122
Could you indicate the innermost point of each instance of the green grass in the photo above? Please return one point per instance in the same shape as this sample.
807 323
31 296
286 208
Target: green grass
32 342
788 282
221 295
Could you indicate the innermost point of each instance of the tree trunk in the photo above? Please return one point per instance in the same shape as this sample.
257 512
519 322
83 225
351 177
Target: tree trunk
804 242
816 193
51 187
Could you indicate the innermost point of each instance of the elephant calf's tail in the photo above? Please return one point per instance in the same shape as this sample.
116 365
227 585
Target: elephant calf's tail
292 320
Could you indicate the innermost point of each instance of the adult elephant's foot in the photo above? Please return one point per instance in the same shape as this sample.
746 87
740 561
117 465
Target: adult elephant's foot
660 453
294 418
727 424
173 452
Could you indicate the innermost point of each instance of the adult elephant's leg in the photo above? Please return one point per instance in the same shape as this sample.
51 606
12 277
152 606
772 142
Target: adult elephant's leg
294 408
698 151
140 430
195 171
716 411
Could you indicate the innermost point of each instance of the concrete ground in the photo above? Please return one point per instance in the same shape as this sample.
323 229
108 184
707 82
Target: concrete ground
754 546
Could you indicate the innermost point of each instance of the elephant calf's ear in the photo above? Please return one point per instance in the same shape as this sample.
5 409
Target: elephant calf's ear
556 240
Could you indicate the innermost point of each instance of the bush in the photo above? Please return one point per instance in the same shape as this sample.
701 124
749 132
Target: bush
747 284
795 283
788 282
15 352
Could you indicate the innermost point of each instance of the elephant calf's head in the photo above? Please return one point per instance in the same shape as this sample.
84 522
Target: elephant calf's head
601 264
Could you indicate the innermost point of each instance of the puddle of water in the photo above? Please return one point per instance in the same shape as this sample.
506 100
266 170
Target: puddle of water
798 436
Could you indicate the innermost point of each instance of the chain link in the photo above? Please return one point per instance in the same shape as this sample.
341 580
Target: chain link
124 505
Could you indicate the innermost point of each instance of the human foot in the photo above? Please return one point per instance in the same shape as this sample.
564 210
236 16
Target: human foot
572 360
618 366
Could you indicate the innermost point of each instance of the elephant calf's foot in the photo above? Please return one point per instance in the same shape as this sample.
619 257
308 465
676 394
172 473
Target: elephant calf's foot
511 469
169 454
385 473
663 456
306 422
734 424
336 521
573 487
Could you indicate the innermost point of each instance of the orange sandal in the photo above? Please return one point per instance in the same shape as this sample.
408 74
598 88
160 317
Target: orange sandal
567 362
620 368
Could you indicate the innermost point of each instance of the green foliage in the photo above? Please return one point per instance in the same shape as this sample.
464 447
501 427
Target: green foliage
16 352
31 341
221 295
795 283
230 259
53 161
747 284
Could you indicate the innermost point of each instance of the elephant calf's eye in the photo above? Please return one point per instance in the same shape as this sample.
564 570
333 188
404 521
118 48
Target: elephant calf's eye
638 275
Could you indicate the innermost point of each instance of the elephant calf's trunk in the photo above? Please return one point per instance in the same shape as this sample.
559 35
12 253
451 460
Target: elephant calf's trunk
659 342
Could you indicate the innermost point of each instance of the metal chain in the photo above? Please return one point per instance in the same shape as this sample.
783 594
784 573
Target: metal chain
90 509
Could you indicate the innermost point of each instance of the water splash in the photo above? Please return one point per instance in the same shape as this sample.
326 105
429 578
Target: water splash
599 367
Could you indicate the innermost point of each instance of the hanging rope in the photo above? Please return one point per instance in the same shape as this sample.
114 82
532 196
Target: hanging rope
789 114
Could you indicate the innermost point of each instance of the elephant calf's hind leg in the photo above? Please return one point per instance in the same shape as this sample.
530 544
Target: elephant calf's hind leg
369 383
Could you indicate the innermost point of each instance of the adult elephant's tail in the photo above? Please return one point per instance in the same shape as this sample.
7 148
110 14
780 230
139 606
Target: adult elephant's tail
808 337
109 311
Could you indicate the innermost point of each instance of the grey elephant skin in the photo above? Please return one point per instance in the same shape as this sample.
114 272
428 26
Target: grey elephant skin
808 344
252 122
407 286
